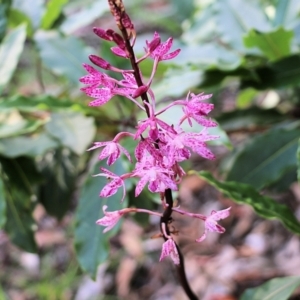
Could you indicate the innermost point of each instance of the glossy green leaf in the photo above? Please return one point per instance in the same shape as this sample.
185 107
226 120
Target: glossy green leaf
264 206
10 51
274 45
57 189
2 204
266 157
282 73
31 146
91 244
63 55
274 289
73 130
54 8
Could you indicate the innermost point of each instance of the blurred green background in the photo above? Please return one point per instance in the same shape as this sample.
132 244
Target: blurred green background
244 52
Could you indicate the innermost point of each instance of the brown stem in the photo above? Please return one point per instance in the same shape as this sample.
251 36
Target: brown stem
180 269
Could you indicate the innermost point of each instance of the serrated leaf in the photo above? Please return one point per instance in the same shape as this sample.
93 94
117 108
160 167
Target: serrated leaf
274 45
31 146
10 51
264 206
54 8
73 130
274 289
63 55
2 204
91 244
266 157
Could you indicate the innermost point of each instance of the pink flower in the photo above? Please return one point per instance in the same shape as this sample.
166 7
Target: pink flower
211 222
110 219
160 52
169 249
112 186
176 145
159 177
152 122
197 110
112 150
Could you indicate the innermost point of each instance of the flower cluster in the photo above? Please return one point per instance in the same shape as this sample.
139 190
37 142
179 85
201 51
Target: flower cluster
160 147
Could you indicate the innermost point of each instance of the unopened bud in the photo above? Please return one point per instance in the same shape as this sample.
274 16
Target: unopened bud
117 38
154 44
100 62
139 91
103 34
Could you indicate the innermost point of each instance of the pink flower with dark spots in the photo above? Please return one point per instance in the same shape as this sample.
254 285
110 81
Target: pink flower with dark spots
158 177
211 222
110 219
160 52
194 109
169 249
113 185
177 143
112 150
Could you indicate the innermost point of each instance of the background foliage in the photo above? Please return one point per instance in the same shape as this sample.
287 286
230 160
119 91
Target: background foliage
248 48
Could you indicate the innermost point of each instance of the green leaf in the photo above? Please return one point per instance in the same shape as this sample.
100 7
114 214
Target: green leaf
236 17
91 244
32 8
63 55
31 146
54 8
282 73
10 51
274 45
4 8
21 127
266 157
264 206
246 97
60 174
298 161
85 16
19 177
249 118
17 17
274 289
287 13
2 204
73 130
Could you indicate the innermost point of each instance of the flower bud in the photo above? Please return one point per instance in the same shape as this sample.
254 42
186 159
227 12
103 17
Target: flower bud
100 62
